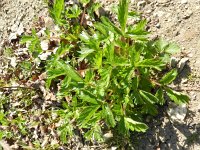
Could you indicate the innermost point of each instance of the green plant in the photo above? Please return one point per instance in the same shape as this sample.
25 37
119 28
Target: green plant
110 76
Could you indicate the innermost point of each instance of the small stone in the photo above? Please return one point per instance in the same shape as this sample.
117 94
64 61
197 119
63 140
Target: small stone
187 14
184 1
44 45
174 62
44 56
149 11
157 25
12 36
177 113
141 4
184 81
162 1
182 63
108 135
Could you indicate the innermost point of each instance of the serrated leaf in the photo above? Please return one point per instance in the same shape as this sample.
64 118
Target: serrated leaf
122 126
137 98
108 115
149 97
88 97
177 97
72 73
57 9
105 77
160 44
87 113
169 77
110 26
138 29
123 13
84 53
53 73
160 96
135 125
151 63
25 39
172 48
164 46
150 109
101 27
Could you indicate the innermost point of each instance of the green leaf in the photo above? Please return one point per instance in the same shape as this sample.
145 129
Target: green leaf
105 77
87 113
172 48
84 2
84 53
108 115
69 71
149 97
53 73
94 133
138 29
122 127
57 9
160 96
169 77
177 97
150 109
135 125
160 44
123 13
88 97
164 46
25 39
137 98
110 26
151 63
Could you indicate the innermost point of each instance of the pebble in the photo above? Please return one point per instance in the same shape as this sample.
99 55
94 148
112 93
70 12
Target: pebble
177 113
141 4
162 1
184 80
157 25
187 14
44 45
174 62
184 1
182 63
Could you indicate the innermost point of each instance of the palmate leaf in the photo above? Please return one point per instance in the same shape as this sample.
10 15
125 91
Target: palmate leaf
164 46
169 77
151 63
177 97
135 125
172 48
123 13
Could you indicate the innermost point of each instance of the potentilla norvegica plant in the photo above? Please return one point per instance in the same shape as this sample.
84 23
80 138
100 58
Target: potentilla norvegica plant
110 76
